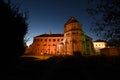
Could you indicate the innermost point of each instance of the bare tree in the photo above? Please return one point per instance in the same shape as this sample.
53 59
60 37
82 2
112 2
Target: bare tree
106 23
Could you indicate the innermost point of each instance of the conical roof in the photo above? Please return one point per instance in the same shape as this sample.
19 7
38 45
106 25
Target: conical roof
71 20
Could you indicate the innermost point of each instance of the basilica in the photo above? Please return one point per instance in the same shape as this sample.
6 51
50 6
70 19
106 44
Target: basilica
73 40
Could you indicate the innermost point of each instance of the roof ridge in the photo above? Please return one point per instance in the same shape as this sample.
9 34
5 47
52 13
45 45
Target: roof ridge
50 35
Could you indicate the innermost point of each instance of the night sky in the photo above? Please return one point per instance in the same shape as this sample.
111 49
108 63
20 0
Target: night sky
51 15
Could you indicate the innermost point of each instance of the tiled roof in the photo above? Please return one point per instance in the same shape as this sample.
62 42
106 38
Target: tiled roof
71 20
51 35
88 36
99 40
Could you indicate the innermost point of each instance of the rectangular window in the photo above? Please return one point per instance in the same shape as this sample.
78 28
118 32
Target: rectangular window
49 40
54 45
38 40
45 40
58 40
54 40
38 44
41 40
44 44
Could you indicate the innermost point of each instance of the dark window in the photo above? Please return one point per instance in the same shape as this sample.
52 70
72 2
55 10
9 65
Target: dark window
58 40
49 45
45 39
54 45
44 44
41 40
54 40
49 39
68 34
74 33
38 40
38 44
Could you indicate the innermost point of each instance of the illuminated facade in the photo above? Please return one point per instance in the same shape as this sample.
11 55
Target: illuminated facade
73 40
98 45
45 44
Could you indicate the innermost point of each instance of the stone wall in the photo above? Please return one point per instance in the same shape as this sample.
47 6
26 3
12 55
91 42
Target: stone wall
110 51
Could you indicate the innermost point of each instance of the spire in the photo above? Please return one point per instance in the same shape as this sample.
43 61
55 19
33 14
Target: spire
71 20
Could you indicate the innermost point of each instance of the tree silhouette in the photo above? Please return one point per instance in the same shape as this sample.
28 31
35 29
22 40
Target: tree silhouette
13 29
106 19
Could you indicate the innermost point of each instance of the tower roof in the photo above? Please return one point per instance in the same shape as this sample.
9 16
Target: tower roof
71 20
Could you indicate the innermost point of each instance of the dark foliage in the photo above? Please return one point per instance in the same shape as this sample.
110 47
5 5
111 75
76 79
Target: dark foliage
13 29
77 54
106 19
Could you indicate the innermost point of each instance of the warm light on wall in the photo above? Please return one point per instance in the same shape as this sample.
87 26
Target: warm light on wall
99 45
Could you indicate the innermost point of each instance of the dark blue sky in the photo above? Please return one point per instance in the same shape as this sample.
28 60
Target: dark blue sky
51 15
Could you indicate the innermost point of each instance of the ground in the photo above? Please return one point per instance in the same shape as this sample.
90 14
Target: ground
64 69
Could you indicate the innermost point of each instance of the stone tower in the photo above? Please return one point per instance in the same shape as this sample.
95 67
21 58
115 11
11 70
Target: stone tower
73 37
